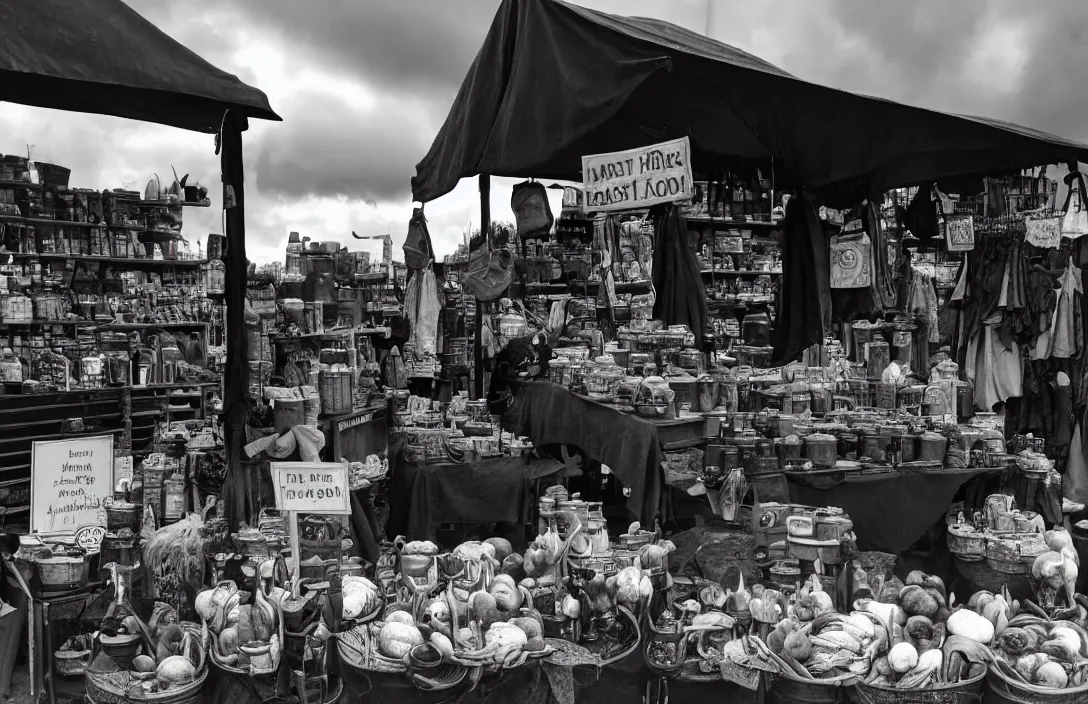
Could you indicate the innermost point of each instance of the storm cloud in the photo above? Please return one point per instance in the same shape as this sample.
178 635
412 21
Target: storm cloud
364 85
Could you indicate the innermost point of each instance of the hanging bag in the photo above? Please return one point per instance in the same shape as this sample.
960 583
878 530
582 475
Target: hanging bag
1043 231
533 213
1075 220
958 230
851 257
418 252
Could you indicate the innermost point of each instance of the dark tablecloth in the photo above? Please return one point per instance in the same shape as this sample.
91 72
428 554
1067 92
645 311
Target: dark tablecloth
489 491
891 511
550 414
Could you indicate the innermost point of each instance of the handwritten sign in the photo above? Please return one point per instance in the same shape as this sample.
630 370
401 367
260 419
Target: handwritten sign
70 480
90 537
311 487
638 178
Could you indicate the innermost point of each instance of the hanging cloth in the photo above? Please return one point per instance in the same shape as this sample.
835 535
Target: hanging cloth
677 278
1066 338
804 304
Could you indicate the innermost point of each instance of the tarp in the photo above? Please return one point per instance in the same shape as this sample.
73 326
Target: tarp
101 56
554 81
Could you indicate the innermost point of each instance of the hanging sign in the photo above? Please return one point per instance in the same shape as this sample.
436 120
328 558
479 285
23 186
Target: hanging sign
311 487
638 178
69 483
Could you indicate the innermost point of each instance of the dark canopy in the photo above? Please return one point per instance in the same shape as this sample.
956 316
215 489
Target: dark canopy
100 56
554 81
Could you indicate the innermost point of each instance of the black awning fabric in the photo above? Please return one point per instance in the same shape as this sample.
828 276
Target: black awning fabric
101 56
554 81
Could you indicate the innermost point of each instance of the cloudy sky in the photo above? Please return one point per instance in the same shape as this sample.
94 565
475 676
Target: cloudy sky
364 85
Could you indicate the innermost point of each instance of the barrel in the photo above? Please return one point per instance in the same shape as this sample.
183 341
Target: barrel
287 413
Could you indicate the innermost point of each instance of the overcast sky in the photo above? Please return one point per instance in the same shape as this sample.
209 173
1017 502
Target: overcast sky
363 86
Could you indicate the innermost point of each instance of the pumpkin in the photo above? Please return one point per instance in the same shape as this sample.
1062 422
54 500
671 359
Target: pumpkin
400 616
175 670
397 639
486 608
1051 675
505 635
531 626
143 663
506 593
501 546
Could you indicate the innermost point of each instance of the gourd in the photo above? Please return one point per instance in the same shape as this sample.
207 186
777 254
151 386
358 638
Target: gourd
143 663
968 624
228 641
798 646
397 639
513 565
1051 675
400 616
627 585
916 601
502 548
505 635
903 658
506 594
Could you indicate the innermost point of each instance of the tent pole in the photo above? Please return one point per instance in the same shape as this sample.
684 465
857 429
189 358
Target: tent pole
477 346
235 492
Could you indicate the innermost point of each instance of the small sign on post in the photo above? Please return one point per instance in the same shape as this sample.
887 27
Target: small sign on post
638 178
309 487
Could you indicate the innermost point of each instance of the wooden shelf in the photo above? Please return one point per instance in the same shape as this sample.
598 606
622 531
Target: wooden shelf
108 324
742 272
729 222
121 261
68 223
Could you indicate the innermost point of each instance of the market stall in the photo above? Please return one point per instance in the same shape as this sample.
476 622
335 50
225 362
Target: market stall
49 61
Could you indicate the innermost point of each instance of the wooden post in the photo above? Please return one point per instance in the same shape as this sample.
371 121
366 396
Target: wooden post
477 346
292 528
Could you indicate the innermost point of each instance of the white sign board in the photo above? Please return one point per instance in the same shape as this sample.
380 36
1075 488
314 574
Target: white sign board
69 483
311 487
638 178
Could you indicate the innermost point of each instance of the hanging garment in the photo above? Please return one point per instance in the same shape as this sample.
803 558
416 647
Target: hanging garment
422 307
804 303
921 216
1075 220
1066 339
1075 481
923 302
677 278
994 369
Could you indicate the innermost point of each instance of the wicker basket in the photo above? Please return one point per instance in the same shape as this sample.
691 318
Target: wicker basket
112 688
63 572
1003 690
968 691
966 543
359 652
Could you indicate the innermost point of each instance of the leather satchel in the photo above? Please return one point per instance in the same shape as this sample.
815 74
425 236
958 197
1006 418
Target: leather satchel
532 210
488 273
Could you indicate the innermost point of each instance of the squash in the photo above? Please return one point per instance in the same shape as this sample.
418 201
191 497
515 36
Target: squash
229 641
175 670
397 639
143 663
486 608
506 593
798 646
530 626
903 658
968 624
502 548
1051 675
513 565
917 602
400 616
